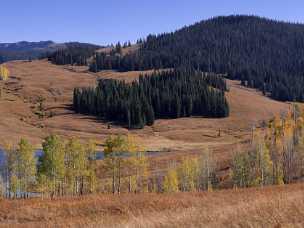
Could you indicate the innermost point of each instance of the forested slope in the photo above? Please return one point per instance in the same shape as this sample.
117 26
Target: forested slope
73 53
263 53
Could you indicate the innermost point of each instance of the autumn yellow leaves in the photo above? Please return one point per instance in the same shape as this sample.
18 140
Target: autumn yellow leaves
126 165
193 174
71 167
4 73
275 155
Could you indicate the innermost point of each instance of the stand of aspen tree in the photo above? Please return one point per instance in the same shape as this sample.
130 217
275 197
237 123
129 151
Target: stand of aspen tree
4 75
275 156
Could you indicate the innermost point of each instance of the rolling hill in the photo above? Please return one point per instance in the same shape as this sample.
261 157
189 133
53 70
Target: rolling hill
179 137
262 53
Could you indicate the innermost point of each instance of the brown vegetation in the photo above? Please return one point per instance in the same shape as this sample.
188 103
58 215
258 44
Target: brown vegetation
279 206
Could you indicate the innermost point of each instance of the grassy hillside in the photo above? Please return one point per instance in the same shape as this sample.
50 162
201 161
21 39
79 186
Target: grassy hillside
279 206
30 80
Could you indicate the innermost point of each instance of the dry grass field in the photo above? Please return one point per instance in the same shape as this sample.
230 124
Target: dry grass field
177 137
279 206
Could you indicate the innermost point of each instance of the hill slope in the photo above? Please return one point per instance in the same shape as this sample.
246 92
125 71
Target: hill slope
263 53
56 83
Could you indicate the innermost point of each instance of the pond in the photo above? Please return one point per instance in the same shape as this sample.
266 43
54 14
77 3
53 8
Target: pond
99 155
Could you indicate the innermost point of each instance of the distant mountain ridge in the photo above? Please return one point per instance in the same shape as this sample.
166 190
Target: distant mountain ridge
25 45
25 50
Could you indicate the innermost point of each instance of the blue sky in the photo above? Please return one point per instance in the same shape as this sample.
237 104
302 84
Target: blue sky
109 21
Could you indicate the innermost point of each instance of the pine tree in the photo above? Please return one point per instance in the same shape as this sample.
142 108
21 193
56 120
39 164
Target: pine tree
169 94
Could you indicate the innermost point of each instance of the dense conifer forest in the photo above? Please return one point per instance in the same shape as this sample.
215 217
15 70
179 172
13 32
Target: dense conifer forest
262 53
73 53
165 94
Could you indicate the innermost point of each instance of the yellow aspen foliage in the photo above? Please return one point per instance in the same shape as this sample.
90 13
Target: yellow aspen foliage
205 170
187 174
241 170
137 164
91 165
171 182
300 124
113 151
14 185
4 73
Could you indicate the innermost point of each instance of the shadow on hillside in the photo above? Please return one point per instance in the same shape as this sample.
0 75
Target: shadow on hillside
96 119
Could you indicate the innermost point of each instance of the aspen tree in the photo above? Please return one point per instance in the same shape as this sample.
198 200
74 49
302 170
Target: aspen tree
276 150
136 164
260 161
187 174
289 143
76 163
241 169
91 165
10 165
113 151
170 183
205 170
4 73
26 166
14 185
51 168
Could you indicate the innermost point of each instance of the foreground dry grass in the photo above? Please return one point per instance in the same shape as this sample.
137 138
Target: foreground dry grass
280 206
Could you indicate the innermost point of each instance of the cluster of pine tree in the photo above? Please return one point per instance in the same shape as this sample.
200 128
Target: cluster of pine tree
111 59
262 53
165 94
73 54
